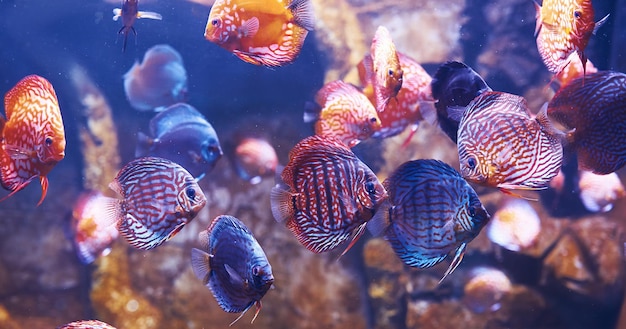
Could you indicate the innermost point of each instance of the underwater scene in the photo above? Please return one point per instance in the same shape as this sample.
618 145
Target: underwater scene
312 164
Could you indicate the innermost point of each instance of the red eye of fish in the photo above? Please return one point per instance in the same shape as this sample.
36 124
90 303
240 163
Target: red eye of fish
577 14
48 141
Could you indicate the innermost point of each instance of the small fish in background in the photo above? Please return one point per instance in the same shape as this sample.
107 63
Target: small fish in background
233 265
386 73
431 211
254 158
485 288
87 324
182 134
91 239
269 33
515 226
573 70
414 100
158 82
159 197
32 135
454 86
326 194
564 27
342 111
593 111
129 14
599 192
501 146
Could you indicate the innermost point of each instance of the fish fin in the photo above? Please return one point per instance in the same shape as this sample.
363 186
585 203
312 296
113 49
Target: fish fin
203 237
538 18
249 28
302 11
234 277
115 187
15 187
458 257
244 312
43 180
144 144
117 13
600 23
429 112
558 136
258 309
256 59
18 153
356 234
200 265
508 190
282 202
312 111
149 15
407 141
455 112
381 219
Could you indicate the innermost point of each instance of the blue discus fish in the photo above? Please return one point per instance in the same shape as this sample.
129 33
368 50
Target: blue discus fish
233 265
431 211
181 134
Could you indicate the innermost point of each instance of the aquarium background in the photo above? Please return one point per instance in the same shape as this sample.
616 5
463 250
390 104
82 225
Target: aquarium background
572 277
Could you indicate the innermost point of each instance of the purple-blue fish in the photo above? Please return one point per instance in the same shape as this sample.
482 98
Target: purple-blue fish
454 86
181 134
431 211
326 195
158 198
233 265
87 324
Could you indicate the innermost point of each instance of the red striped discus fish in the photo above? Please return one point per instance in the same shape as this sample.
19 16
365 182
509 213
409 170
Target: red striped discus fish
343 112
326 194
260 32
594 109
87 324
414 100
564 27
158 198
431 211
386 74
91 238
33 137
500 145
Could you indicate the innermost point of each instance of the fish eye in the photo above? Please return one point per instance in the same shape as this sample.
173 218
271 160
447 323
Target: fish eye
390 72
373 120
215 22
191 193
256 271
472 211
471 163
48 141
370 187
577 14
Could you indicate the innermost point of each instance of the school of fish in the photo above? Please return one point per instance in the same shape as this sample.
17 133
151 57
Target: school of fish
325 195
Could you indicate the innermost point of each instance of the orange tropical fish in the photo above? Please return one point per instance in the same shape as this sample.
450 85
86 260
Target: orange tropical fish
574 69
129 14
343 112
564 27
33 137
414 100
386 72
260 32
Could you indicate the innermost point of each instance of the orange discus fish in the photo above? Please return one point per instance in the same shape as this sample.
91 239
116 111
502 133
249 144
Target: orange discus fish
386 72
414 100
260 32
33 137
564 27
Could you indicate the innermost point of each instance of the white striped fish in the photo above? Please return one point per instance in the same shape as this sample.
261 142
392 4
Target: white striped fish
594 109
326 194
431 211
158 198
500 145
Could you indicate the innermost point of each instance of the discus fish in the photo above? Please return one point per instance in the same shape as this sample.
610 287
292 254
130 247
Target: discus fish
431 211
129 14
91 238
593 110
158 198
343 112
326 194
500 145
254 158
564 27
158 82
599 192
181 134
87 324
514 226
33 137
233 265
386 75
454 86
573 70
269 32
414 100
